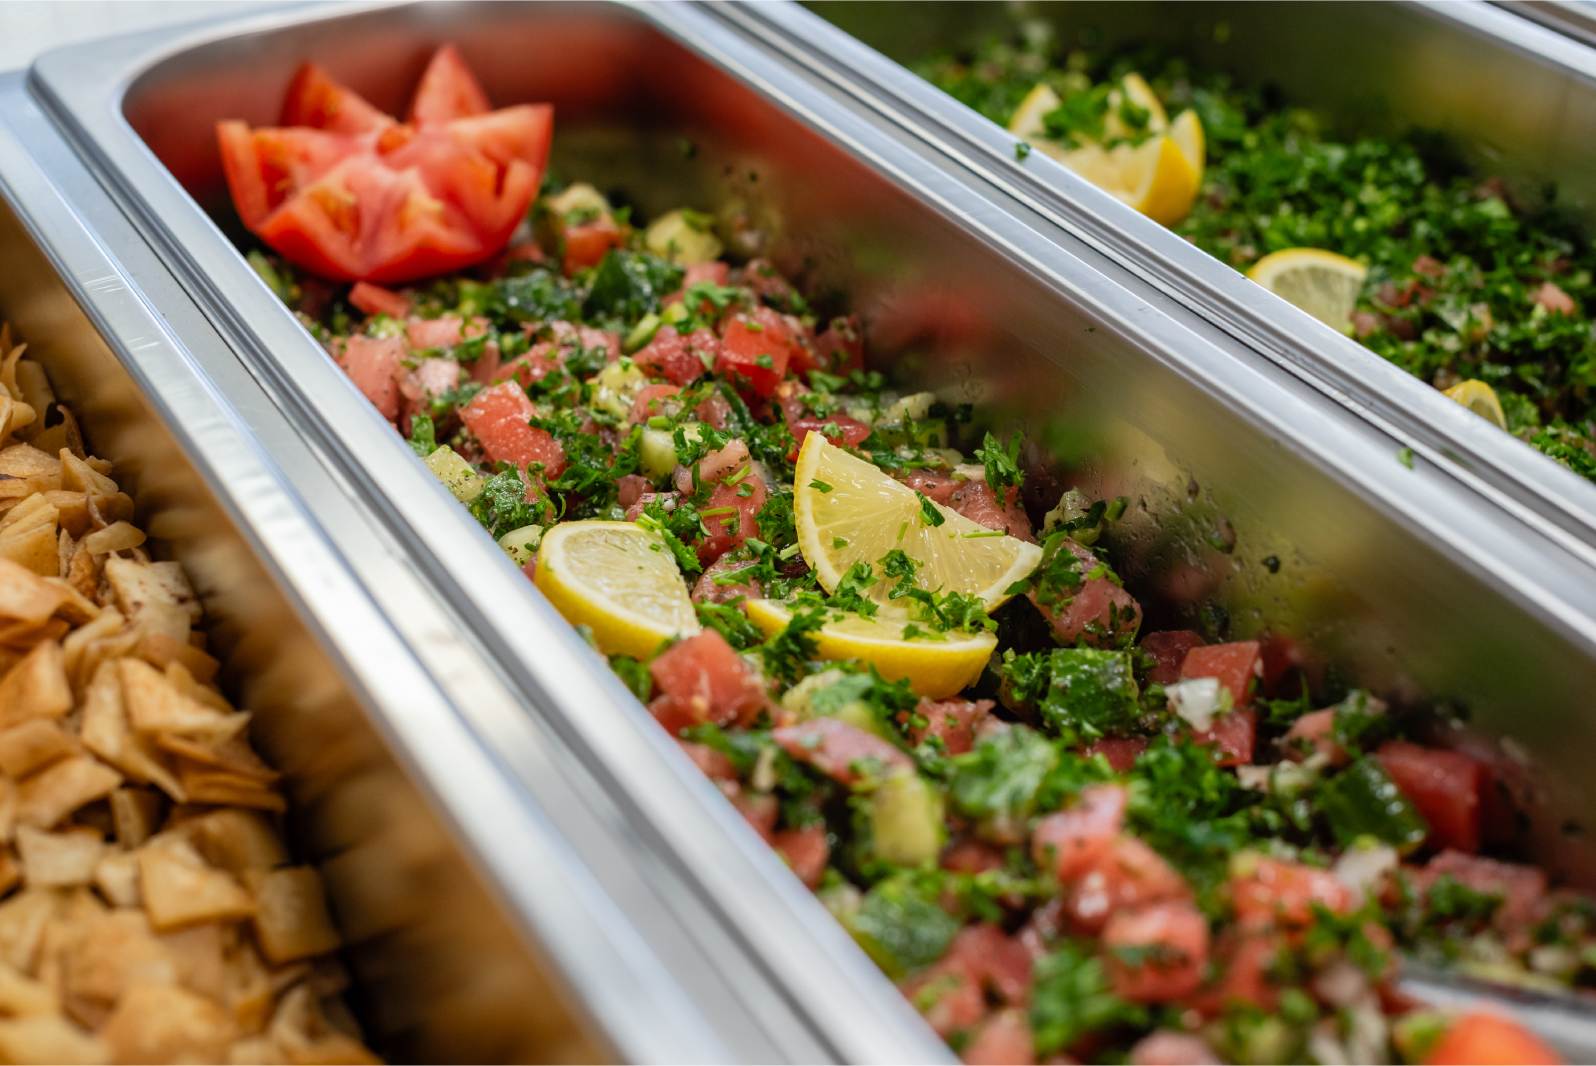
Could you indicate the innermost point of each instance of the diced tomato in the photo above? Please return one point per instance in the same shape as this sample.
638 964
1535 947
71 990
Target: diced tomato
447 90
1121 752
676 358
932 484
1283 663
1128 874
731 516
710 589
1234 734
712 468
1003 1039
839 349
1237 666
1099 612
951 721
714 764
350 195
948 995
498 417
650 401
703 679
844 753
1071 841
1281 893
1156 953
445 332
714 411
1554 299
767 282
373 364
1484 1038
806 851
1247 959
587 243
526 370
998 961
1314 734
630 488
975 500
972 857
376 300
838 429
755 347
1168 650
1446 787
429 379
1167 1047
1522 888
759 809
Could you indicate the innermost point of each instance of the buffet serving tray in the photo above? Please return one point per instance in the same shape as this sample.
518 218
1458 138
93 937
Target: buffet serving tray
1437 66
1257 502
465 876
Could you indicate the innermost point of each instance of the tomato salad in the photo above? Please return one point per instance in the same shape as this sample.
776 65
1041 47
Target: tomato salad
1111 841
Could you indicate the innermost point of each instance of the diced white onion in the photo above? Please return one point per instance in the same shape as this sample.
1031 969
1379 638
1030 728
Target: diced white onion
1197 700
1362 869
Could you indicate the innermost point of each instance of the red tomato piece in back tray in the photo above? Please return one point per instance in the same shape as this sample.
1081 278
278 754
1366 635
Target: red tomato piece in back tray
676 358
1445 787
1234 734
1236 666
1481 1038
498 418
373 363
376 300
349 194
842 752
1168 649
755 347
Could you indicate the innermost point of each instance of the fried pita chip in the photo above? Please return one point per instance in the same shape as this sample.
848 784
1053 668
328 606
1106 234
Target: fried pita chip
21 995
35 743
291 919
164 1023
154 705
59 860
25 596
22 921
26 461
47 797
49 1038
77 475
114 952
135 814
180 888
199 952
225 789
77 609
117 879
36 687
104 731
233 756
237 841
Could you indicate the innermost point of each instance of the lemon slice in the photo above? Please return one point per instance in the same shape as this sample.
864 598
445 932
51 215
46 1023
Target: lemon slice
1480 398
1324 284
936 665
1187 133
1133 87
1026 122
847 511
618 579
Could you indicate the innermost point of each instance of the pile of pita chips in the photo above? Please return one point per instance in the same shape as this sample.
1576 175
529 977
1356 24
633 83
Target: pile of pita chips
149 911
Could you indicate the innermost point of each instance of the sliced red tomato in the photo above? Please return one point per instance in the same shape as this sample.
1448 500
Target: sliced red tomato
373 364
838 429
650 401
1234 734
999 962
1237 666
349 194
731 516
1003 1039
755 347
703 679
376 300
975 500
1156 953
1168 650
948 994
586 243
1314 734
1100 613
1484 1038
842 752
806 850
444 332
1522 888
953 722
498 418
447 90
1071 841
676 358
1121 752
1129 874
1445 786
1247 963
1281 893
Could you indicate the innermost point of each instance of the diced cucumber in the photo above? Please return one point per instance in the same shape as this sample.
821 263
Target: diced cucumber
683 237
906 820
657 449
676 313
1363 801
915 407
580 198
641 333
455 473
520 543
900 928
617 385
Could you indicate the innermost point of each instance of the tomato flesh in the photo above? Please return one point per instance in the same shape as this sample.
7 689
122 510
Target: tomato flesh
1236 666
1445 786
498 418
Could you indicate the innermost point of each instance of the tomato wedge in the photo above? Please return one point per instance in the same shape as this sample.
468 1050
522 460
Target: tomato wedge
351 194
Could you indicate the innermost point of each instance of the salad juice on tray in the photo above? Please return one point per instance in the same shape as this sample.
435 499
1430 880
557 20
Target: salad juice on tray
1064 836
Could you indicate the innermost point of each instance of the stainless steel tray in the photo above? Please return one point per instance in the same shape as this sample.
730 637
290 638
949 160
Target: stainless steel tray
465 869
1289 511
1435 65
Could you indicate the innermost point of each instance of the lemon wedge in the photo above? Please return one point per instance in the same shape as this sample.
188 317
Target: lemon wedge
1324 284
936 665
1480 398
847 511
1026 122
1134 88
618 579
